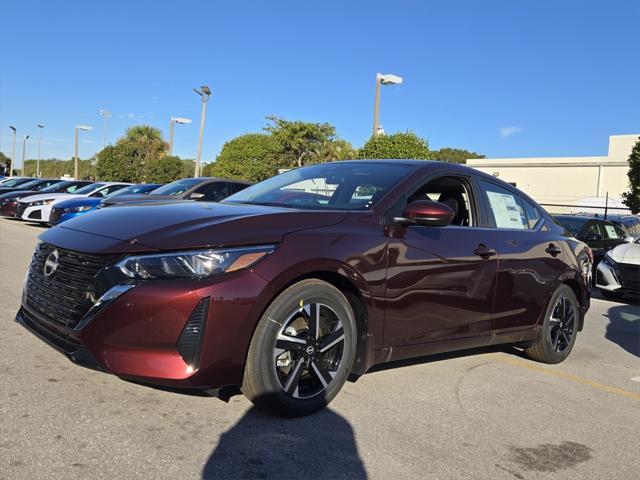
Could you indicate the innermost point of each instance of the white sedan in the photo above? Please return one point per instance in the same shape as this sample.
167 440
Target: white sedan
37 208
619 271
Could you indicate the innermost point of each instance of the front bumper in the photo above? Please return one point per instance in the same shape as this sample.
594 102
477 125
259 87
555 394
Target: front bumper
621 278
136 335
38 213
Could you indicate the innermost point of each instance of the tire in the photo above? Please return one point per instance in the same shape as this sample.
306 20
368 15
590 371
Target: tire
559 328
291 371
612 295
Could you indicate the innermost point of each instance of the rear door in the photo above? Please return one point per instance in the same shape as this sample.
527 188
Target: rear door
530 258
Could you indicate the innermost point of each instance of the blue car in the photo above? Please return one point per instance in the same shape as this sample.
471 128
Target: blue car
68 209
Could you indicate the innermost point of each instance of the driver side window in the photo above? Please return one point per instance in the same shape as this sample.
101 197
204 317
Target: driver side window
453 192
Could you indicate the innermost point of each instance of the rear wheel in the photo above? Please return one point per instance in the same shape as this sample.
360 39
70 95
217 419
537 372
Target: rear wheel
302 350
559 329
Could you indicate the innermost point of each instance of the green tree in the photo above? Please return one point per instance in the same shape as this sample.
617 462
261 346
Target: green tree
397 145
299 140
333 150
252 157
117 163
126 161
56 168
632 198
455 155
163 170
4 163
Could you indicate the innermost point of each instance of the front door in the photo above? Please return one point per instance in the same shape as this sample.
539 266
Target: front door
440 281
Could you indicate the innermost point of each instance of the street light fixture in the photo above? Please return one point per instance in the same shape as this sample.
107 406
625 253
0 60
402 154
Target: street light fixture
24 150
204 93
40 127
382 79
13 154
181 121
75 150
106 114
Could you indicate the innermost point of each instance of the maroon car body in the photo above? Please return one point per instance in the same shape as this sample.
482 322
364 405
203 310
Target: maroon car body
415 290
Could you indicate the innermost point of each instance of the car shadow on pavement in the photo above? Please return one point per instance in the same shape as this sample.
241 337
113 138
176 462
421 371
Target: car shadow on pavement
260 446
624 326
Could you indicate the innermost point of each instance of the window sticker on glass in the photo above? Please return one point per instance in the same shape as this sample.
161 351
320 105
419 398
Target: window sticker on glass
506 211
611 231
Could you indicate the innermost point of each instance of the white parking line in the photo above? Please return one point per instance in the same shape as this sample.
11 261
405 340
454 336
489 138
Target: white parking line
636 379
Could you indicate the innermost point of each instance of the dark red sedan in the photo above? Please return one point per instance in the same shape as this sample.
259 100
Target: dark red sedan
291 285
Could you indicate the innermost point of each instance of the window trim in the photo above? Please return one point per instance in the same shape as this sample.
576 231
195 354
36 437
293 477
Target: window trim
469 182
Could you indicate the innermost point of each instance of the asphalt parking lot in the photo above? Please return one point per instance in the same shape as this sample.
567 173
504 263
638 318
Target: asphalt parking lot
483 414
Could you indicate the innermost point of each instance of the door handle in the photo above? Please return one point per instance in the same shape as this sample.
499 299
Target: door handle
553 250
484 252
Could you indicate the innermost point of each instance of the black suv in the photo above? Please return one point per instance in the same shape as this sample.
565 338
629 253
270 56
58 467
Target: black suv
600 235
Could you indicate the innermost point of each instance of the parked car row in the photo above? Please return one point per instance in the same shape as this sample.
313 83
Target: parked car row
615 250
290 286
50 201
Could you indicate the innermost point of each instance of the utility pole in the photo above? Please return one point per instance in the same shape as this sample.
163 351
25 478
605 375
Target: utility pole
106 115
76 170
13 154
40 127
24 151
204 93
382 79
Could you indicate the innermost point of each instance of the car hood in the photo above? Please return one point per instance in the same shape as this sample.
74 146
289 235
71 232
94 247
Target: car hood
626 253
182 225
47 196
77 202
17 193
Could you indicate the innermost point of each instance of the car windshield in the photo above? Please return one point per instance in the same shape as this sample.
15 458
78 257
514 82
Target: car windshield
328 186
131 190
574 225
32 183
89 188
14 182
177 187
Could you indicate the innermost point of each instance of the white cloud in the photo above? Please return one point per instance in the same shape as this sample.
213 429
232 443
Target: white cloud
131 115
508 131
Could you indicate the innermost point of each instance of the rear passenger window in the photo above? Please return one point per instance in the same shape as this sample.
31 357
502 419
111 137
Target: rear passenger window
504 206
236 187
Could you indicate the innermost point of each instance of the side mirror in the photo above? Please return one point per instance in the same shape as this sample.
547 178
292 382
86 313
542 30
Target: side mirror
629 240
196 196
427 213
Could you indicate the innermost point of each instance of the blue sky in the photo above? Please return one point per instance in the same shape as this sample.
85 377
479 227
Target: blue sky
503 78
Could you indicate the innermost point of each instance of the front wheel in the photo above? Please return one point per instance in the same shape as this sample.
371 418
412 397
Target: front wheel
302 350
559 330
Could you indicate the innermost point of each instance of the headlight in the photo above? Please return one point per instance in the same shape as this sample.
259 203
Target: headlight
82 208
192 264
609 261
42 202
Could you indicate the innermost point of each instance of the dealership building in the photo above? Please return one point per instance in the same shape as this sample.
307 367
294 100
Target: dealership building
567 180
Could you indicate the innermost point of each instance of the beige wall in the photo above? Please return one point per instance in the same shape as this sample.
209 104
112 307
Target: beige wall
566 179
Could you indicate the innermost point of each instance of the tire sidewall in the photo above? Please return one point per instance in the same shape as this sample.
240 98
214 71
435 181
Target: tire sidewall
260 359
547 345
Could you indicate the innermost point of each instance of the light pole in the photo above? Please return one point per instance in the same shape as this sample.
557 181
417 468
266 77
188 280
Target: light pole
204 93
106 114
173 120
40 127
75 150
24 150
13 154
382 79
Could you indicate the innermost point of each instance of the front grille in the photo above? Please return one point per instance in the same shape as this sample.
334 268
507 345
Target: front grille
55 215
20 209
65 296
630 276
